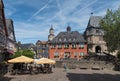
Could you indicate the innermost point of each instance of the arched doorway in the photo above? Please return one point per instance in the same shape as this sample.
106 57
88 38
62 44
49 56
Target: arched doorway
97 49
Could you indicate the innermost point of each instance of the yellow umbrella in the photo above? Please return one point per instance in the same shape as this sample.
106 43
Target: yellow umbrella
21 59
45 61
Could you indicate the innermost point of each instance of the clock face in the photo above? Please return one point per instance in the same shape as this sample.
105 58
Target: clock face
52 32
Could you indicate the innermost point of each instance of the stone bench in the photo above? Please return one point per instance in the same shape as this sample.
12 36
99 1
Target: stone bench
96 68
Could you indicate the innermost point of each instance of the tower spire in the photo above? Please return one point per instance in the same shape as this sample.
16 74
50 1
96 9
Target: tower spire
51 33
1 4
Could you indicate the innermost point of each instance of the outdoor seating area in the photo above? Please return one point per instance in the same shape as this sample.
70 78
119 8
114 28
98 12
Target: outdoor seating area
29 68
26 65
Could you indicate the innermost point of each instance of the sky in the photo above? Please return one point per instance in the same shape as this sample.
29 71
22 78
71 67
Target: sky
32 19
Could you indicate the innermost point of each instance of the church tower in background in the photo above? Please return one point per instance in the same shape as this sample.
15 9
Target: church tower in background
51 34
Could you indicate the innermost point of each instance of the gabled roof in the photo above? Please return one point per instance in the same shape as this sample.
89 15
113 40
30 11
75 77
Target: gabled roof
9 22
94 21
68 37
1 4
10 29
27 46
41 42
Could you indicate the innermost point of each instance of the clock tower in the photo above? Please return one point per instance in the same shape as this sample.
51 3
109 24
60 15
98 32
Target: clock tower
51 34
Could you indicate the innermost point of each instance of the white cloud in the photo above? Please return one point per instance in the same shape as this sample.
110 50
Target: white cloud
36 13
28 30
9 10
75 13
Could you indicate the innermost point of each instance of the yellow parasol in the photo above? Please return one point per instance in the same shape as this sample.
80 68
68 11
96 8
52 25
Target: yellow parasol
45 61
21 59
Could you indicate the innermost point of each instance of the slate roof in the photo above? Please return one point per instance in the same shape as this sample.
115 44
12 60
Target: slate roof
41 42
27 46
94 21
1 4
10 29
68 37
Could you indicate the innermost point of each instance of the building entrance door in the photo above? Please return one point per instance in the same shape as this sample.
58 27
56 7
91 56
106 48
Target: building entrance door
98 49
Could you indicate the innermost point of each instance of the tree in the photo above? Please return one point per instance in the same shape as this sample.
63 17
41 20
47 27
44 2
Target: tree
27 53
111 25
17 54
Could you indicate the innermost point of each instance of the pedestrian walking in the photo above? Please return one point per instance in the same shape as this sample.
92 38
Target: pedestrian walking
65 66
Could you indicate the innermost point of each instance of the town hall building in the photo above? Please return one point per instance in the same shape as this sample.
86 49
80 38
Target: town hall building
68 45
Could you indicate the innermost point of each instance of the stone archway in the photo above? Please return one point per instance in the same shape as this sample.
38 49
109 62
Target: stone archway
98 49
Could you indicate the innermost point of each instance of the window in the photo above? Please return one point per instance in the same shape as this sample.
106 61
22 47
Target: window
43 51
81 45
53 46
69 39
60 39
97 31
43 45
73 39
40 51
59 46
67 55
81 53
89 39
64 39
73 45
56 54
101 38
66 46
75 54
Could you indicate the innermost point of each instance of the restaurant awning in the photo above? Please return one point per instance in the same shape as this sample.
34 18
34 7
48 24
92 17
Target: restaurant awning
21 59
45 61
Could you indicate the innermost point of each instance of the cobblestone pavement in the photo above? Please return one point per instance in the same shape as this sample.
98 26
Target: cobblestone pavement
72 75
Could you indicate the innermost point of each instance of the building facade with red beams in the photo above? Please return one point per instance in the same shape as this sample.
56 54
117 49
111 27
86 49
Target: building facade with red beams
68 45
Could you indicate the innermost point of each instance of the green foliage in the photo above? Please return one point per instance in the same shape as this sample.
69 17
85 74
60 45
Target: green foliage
27 53
17 54
111 24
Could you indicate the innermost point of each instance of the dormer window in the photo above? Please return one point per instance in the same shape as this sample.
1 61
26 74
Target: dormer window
64 39
59 46
81 45
73 39
53 46
60 39
66 46
74 46
69 39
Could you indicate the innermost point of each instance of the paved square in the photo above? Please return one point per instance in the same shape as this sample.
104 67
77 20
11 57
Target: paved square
72 75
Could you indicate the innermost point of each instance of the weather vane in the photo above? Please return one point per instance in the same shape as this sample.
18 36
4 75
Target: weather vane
91 13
